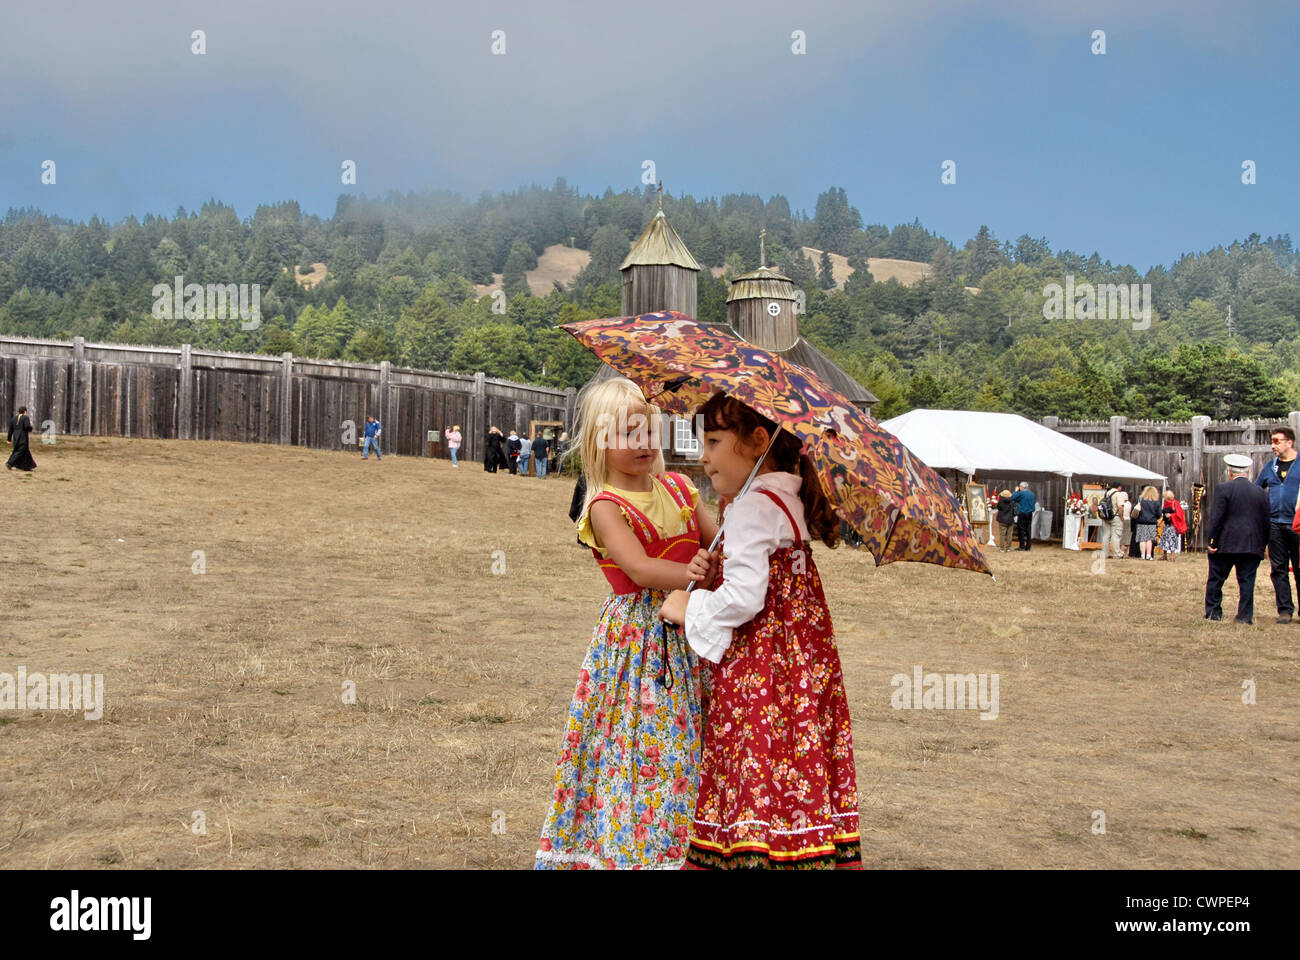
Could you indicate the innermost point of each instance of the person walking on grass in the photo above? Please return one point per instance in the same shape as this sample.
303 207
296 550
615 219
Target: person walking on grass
1006 518
1282 484
1147 514
1118 522
1025 502
495 444
20 429
1146 517
373 429
453 444
525 454
1171 540
541 448
1126 532
513 444
1239 534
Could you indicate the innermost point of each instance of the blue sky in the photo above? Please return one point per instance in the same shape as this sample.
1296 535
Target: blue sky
1135 154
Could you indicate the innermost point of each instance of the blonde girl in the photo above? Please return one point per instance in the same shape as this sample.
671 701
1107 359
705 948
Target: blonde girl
625 783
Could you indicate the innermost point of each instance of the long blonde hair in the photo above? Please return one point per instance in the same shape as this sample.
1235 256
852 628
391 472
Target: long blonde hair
1150 493
600 404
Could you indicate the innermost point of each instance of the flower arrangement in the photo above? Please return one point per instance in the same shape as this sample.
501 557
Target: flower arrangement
1076 506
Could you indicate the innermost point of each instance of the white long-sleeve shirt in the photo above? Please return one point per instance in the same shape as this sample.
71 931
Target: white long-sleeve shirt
755 528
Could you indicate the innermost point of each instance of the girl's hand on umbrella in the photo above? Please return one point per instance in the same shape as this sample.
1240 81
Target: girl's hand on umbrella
715 566
698 568
674 608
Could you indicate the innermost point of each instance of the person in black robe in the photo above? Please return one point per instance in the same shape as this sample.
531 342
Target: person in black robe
513 446
495 453
20 428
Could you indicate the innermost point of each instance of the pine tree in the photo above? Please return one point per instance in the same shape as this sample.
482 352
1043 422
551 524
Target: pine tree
943 267
836 221
514 281
985 257
826 272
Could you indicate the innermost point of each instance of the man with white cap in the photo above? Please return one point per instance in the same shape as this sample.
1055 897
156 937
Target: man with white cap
1238 537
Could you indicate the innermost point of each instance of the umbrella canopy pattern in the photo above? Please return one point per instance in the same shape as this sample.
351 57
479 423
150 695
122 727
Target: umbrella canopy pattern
901 508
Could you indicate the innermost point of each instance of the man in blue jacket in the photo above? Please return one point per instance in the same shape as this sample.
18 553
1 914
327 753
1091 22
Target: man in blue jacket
373 429
1024 500
1283 486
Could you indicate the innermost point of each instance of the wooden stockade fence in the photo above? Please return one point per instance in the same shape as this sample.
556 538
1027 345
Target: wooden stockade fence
117 390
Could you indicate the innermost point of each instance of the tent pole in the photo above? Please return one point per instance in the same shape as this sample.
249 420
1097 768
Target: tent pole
1069 479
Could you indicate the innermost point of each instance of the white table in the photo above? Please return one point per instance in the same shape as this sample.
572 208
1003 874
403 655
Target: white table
1070 538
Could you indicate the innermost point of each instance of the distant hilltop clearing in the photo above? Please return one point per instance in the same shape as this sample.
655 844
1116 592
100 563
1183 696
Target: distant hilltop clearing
309 280
557 263
561 264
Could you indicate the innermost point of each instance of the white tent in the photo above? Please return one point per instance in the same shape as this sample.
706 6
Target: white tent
1004 444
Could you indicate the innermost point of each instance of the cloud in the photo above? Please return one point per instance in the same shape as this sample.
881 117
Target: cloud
586 90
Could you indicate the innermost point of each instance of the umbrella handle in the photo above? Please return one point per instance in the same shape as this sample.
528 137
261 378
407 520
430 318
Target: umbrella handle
717 537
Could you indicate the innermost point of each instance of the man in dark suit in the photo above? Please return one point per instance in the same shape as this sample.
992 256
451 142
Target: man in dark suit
1238 536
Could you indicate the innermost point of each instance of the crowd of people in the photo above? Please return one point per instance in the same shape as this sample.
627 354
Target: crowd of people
1133 526
518 452
1247 521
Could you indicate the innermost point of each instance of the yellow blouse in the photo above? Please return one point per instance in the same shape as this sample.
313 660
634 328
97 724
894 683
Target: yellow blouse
658 506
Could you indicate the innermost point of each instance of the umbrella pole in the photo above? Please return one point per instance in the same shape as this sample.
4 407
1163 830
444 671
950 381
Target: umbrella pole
743 490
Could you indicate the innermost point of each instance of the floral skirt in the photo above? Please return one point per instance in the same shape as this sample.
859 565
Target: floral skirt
626 781
1146 532
1171 541
778 784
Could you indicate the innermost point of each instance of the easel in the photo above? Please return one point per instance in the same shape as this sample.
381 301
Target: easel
1091 521
539 426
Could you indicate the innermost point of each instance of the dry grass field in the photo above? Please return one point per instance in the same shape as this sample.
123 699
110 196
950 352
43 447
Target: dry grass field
907 272
556 263
223 689
563 264
309 280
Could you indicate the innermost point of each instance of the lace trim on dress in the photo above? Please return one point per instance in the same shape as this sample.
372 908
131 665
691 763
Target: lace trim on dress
783 833
555 856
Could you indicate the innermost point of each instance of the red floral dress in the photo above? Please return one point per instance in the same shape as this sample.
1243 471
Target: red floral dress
777 782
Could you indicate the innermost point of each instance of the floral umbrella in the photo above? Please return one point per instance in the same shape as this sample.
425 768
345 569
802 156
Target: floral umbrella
900 508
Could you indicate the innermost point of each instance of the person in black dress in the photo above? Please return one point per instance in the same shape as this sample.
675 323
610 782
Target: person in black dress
495 453
513 446
20 428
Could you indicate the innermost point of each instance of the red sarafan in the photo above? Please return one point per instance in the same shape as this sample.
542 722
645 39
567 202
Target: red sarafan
777 782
